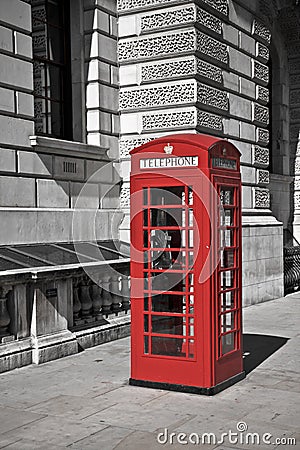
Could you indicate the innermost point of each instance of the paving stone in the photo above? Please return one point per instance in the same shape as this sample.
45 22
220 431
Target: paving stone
107 439
14 418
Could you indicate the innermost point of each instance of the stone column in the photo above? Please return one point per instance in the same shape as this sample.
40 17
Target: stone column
5 318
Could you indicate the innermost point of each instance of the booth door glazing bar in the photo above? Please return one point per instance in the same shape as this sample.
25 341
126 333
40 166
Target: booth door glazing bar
168 227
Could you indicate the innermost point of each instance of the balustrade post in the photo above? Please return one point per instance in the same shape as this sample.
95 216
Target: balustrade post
125 292
76 304
116 294
5 318
86 302
106 296
95 294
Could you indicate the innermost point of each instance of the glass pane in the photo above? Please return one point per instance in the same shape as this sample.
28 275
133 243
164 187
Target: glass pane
167 282
165 217
167 238
227 258
169 303
191 195
227 217
227 322
191 348
228 343
54 82
146 304
226 196
146 323
227 238
167 195
145 196
167 346
167 325
56 45
146 344
145 218
227 300
227 279
191 326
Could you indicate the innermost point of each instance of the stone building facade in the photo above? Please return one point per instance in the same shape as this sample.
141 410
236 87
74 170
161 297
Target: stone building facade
82 82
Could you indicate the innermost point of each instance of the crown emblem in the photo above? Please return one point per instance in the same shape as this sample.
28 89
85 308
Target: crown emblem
168 149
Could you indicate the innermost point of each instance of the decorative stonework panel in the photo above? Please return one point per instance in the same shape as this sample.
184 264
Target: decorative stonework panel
297 200
261 198
297 183
294 66
262 94
295 132
176 119
170 69
260 72
260 156
209 71
157 96
260 113
126 145
296 164
220 5
262 135
263 176
133 4
212 97
262 52
159 45
208 120
295 114
168 18
295 79
295 97
293 50
209 21
125 196
261 31
212 47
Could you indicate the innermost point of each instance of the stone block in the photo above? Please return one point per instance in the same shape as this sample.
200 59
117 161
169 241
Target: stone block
7 102
130 123
113 26
238 14
97 45
17 191
15 72
93 120
128 26
17 13
247 131
99 172
245 149
129 75
84 196
25 104
248 175
35 164
23 44
114 74
247 87
108 97
105 121
231 127
52 194
115 123
92 95
6 39
96 20
109 196
247 197
240 107
230 34
231 81
247 43
68 168
7 160
239 61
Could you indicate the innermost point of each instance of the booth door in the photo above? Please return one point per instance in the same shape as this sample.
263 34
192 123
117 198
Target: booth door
170 239
229 275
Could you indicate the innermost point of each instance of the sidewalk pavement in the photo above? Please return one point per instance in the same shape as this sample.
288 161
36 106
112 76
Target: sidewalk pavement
84 402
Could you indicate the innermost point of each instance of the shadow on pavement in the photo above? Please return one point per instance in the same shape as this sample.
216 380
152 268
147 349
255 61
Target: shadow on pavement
258 347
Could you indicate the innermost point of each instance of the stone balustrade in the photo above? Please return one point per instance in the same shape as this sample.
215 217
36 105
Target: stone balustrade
49 314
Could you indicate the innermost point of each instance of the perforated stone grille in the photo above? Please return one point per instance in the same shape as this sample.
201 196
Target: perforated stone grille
261 198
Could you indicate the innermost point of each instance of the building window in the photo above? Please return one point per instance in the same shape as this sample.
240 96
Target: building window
52 68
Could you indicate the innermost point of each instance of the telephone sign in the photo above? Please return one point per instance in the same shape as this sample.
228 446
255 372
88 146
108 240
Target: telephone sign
186 316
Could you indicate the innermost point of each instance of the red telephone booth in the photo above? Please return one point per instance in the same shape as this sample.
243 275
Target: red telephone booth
186 314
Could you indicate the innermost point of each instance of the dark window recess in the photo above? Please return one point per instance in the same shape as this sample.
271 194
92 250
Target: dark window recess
52 68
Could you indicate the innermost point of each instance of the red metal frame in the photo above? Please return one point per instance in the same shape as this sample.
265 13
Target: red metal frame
177 332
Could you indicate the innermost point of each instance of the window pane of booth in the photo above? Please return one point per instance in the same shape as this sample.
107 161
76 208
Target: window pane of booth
146 344
167 324
174 195
165 217
226 196
228 343
227 217
227 258
169 303
227 300
167 346
227 279
227 322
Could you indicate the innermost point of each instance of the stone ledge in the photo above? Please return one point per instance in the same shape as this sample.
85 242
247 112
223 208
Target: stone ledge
44 144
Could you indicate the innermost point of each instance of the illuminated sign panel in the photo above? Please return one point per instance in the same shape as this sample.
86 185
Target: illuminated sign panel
169 163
